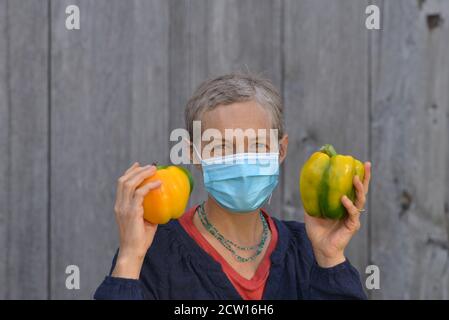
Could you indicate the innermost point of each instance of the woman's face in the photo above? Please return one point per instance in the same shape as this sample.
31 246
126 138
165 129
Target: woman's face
243 115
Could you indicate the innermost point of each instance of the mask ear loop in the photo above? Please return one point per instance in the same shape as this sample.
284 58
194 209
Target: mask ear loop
269 199
194 149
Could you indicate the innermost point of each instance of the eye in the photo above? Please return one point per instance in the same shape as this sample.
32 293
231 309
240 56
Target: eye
222 148
258 147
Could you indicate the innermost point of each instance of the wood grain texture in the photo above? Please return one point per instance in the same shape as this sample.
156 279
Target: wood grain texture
118 87
410 224
25 223
210 38
109 104
188 34
4 146
326 93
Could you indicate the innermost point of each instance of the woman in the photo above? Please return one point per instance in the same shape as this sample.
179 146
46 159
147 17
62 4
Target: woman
229 247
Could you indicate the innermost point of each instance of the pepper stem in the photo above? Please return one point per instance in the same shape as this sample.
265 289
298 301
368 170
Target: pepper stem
329 150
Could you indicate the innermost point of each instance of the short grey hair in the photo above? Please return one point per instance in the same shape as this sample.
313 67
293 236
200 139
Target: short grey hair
232 88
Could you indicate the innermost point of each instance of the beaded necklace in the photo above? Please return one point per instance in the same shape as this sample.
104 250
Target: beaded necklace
228 244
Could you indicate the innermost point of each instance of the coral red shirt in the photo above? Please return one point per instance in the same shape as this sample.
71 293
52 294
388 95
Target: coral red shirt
249 289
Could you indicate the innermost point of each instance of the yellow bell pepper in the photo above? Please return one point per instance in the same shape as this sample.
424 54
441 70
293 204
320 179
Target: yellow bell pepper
325 178
169 201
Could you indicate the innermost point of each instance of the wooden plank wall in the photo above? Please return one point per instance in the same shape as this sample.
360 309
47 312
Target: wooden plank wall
325 92
110 112
4 146
409 138
78 107
24 135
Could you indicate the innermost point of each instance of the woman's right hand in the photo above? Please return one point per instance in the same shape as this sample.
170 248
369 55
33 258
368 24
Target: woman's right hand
136 234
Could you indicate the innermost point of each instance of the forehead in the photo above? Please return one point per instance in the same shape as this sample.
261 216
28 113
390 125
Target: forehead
239 115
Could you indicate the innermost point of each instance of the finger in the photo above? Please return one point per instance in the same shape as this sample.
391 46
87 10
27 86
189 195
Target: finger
130 186
352 221
141 192
367 178
121 184
132 172
134 181
360 193
135 165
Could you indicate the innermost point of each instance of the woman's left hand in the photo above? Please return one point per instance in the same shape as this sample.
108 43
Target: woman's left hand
329 238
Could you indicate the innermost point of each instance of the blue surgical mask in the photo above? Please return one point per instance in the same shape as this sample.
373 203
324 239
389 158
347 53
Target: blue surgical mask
241 182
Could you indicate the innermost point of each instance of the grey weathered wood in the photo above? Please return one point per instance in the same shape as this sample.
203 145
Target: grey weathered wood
110 108
210 38
4 143
326 95
119 87
410 146
187 70
24 157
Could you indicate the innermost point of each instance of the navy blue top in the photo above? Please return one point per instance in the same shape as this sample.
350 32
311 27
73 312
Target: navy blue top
176 267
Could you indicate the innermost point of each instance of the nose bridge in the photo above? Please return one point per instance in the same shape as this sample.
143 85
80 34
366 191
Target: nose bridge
240 143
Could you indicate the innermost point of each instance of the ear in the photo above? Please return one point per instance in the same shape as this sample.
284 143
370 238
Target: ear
283 146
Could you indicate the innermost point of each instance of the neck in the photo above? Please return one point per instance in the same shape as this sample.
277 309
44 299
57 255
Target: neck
244 229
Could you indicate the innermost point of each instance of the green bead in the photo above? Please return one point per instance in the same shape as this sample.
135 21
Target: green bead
228 243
